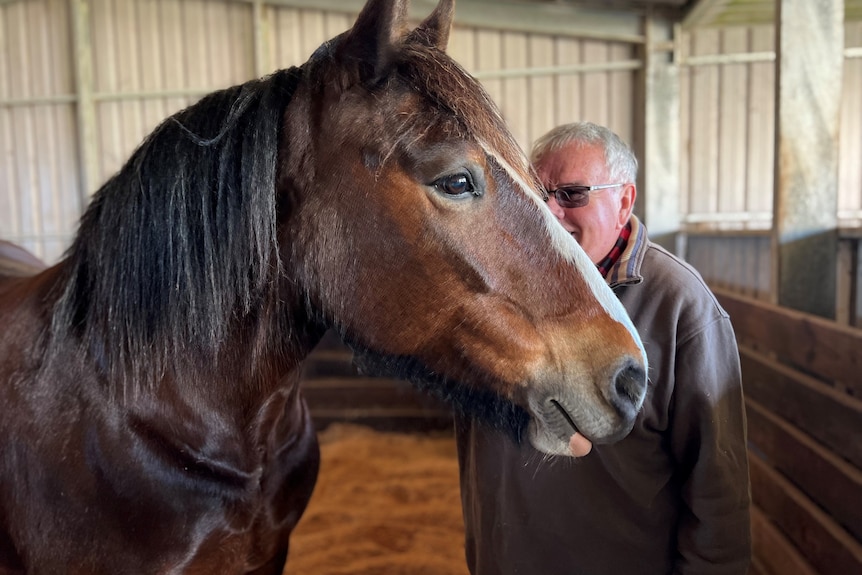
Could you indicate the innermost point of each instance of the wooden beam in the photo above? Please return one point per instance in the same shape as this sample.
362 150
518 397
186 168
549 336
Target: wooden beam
821 347
823 543
772 553
704 13
810 40
512 15
831 417
828 480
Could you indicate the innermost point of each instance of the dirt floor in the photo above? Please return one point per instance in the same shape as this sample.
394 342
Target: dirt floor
384 504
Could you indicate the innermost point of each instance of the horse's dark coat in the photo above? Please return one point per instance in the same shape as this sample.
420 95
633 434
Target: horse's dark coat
152 420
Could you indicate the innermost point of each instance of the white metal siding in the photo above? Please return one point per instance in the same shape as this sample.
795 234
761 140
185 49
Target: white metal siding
850 162
39 196
728 127
150 58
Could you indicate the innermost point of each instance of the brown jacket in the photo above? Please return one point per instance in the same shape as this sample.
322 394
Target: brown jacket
671 498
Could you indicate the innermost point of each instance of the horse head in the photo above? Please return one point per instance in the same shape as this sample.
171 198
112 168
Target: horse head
417 229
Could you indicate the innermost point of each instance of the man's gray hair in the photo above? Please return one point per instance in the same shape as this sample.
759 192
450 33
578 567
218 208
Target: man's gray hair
620 160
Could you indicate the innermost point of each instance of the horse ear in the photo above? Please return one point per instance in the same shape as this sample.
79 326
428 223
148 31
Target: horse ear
434 30
380 25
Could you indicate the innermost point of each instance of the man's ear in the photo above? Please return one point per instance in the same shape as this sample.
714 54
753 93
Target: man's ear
369 46
434 30
627 203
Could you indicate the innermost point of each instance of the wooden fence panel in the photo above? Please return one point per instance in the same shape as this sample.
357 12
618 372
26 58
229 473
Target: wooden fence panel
772 552
814 344
804 450
827 547
829 480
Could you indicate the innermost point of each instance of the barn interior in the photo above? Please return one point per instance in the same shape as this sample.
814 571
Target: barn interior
746 116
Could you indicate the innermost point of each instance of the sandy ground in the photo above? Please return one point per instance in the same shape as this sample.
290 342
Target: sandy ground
384 504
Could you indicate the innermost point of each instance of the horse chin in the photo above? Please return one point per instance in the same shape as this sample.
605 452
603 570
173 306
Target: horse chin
478 403
556 421
547 440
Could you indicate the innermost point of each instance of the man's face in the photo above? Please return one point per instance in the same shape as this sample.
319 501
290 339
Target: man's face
597 225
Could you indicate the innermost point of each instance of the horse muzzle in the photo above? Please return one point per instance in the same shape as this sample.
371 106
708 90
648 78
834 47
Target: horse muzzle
603 410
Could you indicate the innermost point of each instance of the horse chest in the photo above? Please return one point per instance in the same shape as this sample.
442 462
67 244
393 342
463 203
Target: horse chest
141 502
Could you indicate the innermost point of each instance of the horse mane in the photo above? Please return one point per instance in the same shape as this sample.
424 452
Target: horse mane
182 240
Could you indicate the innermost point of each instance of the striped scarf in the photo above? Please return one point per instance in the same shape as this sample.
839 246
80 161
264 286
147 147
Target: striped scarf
619 246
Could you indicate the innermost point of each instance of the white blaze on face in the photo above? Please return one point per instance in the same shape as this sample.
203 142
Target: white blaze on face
569 249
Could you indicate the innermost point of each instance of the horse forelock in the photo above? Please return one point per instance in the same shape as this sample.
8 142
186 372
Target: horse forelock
182 240
449 85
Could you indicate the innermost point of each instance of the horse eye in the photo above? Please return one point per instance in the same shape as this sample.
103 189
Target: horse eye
455 185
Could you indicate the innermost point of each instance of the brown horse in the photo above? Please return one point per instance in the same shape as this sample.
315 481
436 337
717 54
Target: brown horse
151 417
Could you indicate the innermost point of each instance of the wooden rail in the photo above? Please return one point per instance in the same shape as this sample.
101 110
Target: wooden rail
802 377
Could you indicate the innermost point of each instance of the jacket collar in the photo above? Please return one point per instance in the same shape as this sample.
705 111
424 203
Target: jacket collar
627 269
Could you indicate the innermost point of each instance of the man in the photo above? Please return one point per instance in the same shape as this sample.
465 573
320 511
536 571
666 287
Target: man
673 496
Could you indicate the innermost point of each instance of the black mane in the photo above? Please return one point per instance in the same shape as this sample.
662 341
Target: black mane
181 240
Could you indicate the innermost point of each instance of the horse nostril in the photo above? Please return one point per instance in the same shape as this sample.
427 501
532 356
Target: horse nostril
629 389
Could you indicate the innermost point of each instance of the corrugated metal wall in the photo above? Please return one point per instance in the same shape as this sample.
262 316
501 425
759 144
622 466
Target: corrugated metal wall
144 48
149 58
39 194
850 163
728 126
727 170
141 60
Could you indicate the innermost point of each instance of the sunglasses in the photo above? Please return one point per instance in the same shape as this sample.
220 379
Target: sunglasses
572 196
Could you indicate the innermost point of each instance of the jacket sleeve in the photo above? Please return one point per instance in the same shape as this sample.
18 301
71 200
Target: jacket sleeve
708 440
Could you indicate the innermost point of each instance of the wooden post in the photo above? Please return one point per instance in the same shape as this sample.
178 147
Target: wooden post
657 137
260 36
810 41
86 107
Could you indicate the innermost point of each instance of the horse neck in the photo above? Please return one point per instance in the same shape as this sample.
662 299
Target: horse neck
258 357
243 401
261 357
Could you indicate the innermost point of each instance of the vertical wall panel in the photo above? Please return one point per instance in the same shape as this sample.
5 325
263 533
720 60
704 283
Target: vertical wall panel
38 200
621 89
143 46
686 145
736 263
127 61
462 46
490 59
515 94
22 131
728 128
171 63
850 161
284 37
312 32
66 195
703 182
336 23
540 104
568 86
733 104
111 150
760 141
296 33
594 85
154 41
